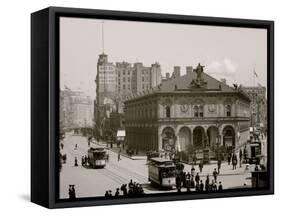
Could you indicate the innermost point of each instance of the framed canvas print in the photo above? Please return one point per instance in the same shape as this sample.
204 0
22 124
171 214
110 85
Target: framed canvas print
138 107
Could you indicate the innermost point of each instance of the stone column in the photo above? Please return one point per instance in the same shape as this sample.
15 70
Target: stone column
159 139
191 136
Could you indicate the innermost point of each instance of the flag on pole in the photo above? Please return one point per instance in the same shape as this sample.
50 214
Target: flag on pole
255 73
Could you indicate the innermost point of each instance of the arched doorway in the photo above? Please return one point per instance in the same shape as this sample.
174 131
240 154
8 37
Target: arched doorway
198 138
229 138
168 139
212 136
184 138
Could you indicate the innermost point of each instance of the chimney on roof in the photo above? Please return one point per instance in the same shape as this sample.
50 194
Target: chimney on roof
189 69
177 71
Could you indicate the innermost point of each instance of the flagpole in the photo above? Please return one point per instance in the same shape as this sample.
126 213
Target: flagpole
254 77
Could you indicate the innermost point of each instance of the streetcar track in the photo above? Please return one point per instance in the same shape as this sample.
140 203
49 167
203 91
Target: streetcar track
140 177
115 177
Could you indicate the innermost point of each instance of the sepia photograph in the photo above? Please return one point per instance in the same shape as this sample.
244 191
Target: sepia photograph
160 108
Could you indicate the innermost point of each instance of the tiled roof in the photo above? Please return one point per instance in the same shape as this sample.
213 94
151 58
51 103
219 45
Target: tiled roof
184 83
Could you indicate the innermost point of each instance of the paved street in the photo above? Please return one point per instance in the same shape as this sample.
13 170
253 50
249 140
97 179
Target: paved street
94 182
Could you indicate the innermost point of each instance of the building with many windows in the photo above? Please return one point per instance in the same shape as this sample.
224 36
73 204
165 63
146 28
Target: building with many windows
115 82
258 105
76 110
194 111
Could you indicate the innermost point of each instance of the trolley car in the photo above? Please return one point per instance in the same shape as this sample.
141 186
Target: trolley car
255 152
162 172
97 157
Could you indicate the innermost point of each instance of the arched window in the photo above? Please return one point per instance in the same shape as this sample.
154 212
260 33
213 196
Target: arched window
168 111
228 110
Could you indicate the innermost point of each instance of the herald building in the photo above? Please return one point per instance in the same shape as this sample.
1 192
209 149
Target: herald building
193 111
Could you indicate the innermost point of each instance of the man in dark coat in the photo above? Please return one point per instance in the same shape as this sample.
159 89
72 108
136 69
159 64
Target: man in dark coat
207 183
229 158
215 174
197 178
75 162
220 186
240 158
117 193
234 161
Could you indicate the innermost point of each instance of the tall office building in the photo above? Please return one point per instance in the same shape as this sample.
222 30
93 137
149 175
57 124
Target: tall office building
116 82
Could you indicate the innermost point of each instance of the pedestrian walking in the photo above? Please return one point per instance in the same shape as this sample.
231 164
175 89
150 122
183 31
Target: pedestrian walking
75 162
117 193
192 171
131 184
201 164
188 175
234 161
124 189
178 183
192 183
240 157
214 185
71 192
119 155
197 178
86 160
219 166
109 193
215 174
76 146
220 186
207 183
229 158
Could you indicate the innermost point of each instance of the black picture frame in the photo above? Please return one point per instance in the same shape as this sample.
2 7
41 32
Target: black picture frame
45 102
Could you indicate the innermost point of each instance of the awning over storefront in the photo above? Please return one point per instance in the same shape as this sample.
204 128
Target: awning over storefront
121 135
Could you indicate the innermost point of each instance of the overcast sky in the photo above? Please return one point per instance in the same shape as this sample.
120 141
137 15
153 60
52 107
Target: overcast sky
227 52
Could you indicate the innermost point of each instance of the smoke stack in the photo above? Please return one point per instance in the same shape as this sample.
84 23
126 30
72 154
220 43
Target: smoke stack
177 71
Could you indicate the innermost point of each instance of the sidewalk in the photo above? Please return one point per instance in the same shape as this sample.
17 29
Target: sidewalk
226 170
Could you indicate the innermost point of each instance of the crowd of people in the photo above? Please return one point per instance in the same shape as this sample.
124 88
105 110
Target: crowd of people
192 181
71 192
132 189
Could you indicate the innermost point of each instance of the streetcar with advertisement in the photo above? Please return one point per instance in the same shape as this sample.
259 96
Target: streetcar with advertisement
97 157
162 172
